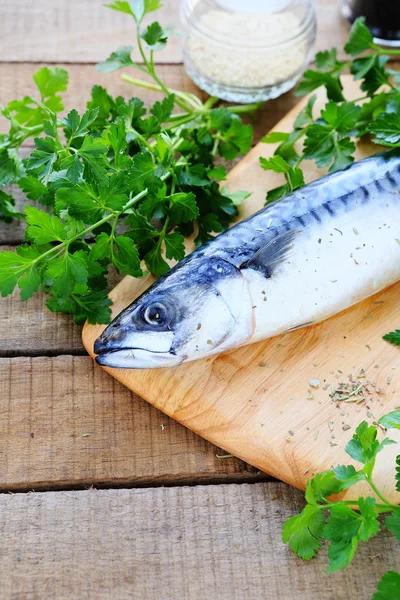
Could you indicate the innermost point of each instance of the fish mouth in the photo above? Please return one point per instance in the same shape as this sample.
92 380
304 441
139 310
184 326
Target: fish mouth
136 358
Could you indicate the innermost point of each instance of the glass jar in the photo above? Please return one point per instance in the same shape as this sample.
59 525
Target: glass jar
247 51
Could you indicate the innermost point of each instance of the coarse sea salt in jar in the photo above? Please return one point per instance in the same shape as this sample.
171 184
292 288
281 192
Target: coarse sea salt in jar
247 50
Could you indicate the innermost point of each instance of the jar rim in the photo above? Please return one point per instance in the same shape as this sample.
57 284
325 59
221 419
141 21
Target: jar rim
308 21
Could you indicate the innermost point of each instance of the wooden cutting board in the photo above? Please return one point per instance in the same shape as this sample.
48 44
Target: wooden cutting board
257 402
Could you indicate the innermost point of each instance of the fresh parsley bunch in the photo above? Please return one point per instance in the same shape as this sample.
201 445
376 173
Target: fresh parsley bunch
120 185
346 523
329 137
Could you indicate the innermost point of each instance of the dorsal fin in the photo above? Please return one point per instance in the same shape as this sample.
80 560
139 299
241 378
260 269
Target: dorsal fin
272 254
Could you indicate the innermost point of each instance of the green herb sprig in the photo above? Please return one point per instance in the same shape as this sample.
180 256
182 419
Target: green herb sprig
329 137
120 185
344 524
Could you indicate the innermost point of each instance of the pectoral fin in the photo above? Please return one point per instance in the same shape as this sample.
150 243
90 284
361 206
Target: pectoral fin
272 254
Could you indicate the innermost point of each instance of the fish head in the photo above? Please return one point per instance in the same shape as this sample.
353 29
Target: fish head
199 308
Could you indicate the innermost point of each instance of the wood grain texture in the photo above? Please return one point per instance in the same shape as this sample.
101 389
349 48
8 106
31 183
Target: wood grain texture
262 413
77 31
167 543
64 423
85 31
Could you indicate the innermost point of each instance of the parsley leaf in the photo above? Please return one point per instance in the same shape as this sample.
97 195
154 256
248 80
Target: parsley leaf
93 153
388 587
155 262
65 271
7 208
155 36
294 175
95 308
183 207
125 256
43 158
174 247
163 110
360 38
397 476
393 337
392 522
386 129
118 59
345 528
390 420
348 476
304 531
51 82
42 228
315 79
364 446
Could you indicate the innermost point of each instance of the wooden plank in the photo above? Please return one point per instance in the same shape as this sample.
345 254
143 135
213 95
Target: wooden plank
220 541
80 32
65 423
75 31
268 416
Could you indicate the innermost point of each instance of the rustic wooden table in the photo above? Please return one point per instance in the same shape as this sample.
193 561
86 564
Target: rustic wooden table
107 497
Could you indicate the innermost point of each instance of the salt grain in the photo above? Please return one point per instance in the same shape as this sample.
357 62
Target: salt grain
241 65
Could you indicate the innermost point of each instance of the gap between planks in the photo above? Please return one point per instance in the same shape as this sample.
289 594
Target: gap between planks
65 423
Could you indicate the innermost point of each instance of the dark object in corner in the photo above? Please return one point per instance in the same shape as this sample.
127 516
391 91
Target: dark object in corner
382 18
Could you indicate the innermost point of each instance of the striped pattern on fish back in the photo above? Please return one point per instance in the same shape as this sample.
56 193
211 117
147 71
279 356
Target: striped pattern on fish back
323 199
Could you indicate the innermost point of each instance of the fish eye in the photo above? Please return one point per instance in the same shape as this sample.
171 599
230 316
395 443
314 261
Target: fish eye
156 314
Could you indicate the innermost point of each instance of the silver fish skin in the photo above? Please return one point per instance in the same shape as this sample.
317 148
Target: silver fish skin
296 262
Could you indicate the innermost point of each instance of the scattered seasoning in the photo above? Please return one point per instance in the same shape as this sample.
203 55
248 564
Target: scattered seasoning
85 434
355 231
346 427
316 434
374 556
224 456
291 432
209 342
330 425
262 364
314 383
198 326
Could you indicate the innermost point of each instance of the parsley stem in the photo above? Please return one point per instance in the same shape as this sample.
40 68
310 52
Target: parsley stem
381 51
378 493
152 86
215 147
245 108
380 508
142 139
210 102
